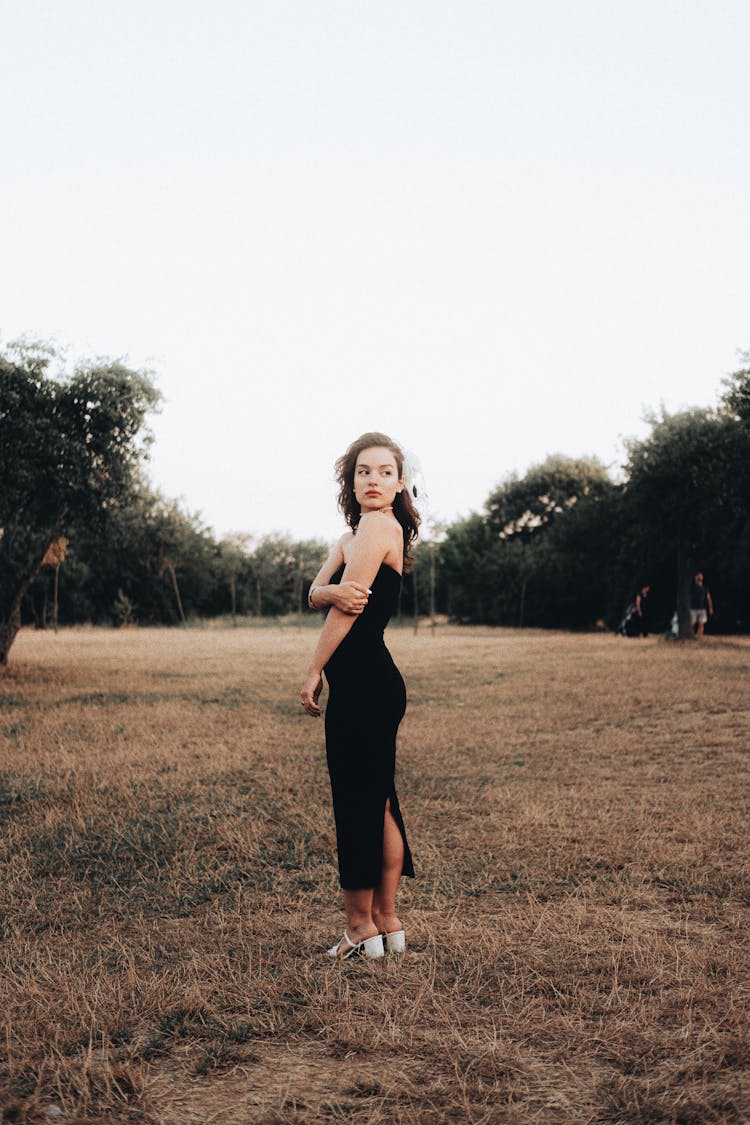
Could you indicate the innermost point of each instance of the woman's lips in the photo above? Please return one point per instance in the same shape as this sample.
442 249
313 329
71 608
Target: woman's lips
372 492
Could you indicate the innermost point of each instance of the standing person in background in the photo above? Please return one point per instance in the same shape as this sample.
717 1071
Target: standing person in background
634 622
701 605
640 609
367 697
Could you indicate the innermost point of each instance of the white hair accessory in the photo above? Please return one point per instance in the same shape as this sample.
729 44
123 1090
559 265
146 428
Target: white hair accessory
413 476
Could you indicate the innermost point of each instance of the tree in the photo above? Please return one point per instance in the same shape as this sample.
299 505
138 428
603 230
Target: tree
69 450
545 566
54 557
461 555
736 399
688 492
279 572
159 557
174 538
524 505
130 566
233 556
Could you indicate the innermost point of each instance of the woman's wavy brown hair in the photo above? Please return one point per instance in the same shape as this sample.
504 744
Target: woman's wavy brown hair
403 505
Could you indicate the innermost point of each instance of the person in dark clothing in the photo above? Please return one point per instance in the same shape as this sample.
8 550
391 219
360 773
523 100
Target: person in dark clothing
634 622
366 693
640 609
701 605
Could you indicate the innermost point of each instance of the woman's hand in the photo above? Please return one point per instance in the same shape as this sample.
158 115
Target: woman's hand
310 693
349 597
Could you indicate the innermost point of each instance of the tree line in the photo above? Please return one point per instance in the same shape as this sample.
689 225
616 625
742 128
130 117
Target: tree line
567 546
83 537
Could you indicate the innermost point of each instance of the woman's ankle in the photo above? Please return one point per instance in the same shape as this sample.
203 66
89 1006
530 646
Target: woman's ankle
362 929
388 922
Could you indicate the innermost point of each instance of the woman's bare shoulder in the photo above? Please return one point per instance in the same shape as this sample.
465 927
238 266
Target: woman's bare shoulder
378 540
380 523
381 529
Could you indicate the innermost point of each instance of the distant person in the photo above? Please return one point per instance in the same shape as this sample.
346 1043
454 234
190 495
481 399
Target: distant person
701 605
640 609
634 622
367 698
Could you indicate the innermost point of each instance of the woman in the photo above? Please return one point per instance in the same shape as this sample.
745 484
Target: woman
360 581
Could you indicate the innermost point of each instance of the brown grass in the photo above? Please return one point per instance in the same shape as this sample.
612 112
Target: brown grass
578 808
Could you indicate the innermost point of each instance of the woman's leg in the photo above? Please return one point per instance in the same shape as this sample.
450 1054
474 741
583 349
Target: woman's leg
359 921
384 897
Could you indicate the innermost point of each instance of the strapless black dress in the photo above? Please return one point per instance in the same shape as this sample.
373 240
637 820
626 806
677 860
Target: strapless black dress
366 703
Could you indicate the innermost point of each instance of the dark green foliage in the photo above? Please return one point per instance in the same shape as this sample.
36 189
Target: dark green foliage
736 398
562 546
688 503
461 565
565 546
536 557
523 506
68 451
130 569
276 575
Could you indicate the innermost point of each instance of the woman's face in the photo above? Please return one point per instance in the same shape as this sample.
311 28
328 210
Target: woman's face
376 479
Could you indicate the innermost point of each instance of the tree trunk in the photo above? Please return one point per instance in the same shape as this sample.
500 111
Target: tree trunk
11 624
173 574
522 606
8 633
684 579
416 604
55 602
233 595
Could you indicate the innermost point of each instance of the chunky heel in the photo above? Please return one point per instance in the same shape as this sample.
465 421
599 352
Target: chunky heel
395 942
373 947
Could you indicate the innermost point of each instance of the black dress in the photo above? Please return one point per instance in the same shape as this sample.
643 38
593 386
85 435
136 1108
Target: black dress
366 702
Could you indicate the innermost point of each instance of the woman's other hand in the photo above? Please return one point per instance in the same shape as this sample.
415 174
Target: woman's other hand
310 693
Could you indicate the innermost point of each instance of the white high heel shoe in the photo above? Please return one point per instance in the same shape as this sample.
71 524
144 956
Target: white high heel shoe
371 947
395 942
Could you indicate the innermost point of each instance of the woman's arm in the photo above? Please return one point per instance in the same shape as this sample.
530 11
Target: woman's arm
348 596
376 538
332 563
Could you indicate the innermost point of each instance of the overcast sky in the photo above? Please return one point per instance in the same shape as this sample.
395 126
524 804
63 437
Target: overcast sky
495 230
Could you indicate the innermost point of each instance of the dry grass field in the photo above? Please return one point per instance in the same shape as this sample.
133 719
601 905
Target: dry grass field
578 808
